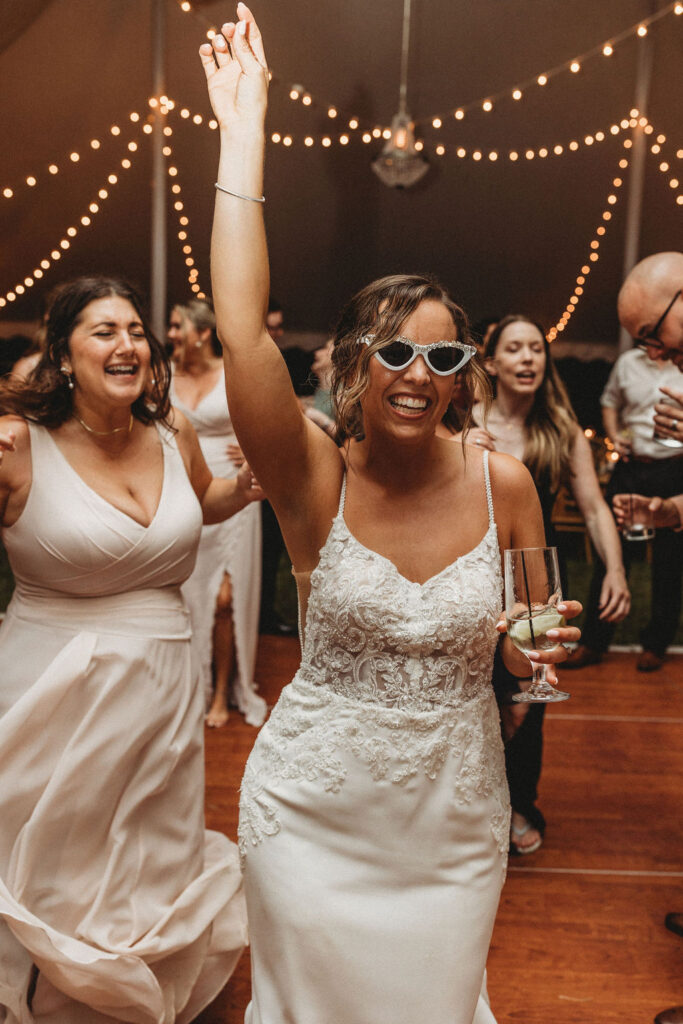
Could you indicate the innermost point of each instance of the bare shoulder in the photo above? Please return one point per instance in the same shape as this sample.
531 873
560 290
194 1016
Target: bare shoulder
510 476
185 433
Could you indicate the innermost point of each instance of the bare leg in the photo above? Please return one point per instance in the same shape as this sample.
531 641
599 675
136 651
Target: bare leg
223 655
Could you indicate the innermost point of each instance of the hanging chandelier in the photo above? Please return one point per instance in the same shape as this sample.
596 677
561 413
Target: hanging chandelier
400 165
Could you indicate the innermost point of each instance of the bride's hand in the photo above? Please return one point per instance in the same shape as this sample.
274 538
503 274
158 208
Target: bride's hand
237 73
563 635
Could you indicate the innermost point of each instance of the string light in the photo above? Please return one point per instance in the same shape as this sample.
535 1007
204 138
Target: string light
73 157
593 257
487 103
664 167
183 222
56 253
558 149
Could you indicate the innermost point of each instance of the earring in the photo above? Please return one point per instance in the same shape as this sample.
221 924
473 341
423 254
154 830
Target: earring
69 376
198 344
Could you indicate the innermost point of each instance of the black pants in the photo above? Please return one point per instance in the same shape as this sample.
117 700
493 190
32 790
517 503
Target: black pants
271 550
663 479
524 750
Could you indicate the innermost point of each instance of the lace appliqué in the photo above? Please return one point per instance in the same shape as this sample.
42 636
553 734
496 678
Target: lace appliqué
310 736
395 677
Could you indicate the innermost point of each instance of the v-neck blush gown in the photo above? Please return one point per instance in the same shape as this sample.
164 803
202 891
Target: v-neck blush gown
115 903
374 815
232 547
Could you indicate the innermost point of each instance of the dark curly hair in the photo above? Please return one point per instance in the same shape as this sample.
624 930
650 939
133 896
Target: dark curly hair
45 397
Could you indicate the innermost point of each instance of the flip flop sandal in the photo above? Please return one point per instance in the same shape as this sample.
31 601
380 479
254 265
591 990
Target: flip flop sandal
517 833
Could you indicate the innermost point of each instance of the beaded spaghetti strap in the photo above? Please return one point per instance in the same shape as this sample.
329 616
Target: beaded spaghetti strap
489 496
342 497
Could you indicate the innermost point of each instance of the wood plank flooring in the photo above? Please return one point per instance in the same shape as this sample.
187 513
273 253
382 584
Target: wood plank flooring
580 936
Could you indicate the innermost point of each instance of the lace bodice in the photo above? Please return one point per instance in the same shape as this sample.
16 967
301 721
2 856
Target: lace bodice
372 634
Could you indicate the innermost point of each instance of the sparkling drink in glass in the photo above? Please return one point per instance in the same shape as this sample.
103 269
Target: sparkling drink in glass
532 593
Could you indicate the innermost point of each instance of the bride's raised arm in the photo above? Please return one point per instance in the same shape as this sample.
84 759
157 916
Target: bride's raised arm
281 446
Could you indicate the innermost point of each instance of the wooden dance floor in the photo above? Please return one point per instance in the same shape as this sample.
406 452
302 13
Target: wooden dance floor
580 936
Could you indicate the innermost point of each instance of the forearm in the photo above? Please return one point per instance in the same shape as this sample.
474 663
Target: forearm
222 499
610 421
603 532
239 255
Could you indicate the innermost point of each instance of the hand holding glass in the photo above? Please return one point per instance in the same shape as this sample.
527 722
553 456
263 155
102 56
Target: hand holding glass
532 593
638 521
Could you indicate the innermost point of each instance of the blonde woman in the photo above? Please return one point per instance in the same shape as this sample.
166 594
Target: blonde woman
224 590
531 418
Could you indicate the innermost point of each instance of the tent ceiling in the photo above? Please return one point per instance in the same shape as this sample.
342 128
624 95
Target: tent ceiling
501 235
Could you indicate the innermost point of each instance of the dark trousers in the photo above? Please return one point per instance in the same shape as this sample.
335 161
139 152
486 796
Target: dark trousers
524 750
272 547
663 479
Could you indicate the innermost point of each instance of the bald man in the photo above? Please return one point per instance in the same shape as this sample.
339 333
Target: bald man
650 307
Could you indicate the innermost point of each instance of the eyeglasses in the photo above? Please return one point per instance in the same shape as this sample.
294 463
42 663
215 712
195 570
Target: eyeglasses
442 357
650 340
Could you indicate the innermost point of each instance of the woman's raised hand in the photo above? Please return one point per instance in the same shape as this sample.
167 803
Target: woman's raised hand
237 73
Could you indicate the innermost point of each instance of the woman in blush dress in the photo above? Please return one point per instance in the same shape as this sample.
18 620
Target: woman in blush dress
374 814
223 592
532 418
115 903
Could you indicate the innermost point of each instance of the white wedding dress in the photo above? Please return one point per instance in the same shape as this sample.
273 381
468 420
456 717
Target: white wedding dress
115 903
232 547
374 814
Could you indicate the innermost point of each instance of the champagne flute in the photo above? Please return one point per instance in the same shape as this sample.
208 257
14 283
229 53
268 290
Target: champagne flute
532 593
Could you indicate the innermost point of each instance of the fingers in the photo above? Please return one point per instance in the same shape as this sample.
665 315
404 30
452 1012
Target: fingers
207 59
255 38
221 44
242 50
570 609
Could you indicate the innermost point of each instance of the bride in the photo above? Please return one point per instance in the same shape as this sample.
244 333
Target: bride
374 815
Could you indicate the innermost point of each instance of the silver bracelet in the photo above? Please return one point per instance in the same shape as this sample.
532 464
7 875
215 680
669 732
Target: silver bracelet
239 195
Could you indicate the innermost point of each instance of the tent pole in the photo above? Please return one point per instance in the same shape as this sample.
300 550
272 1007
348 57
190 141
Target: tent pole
158 227
634 209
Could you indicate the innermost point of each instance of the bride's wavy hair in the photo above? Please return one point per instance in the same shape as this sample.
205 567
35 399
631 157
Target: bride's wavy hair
551 422
45 397
380 309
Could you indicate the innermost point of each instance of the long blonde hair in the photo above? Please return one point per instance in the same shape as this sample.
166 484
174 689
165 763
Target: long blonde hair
380 309
551 422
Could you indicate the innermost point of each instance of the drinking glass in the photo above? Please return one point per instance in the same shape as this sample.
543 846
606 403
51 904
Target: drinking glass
668 442
639 522
532 593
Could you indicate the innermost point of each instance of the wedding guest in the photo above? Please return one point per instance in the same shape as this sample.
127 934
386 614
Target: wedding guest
374 817
223 592
531 417
115 903
649 305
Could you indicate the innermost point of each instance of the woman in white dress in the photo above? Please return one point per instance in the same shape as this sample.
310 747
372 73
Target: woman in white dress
115 904
374 816
224 590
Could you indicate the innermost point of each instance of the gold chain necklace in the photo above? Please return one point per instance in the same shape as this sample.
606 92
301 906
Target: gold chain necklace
105 433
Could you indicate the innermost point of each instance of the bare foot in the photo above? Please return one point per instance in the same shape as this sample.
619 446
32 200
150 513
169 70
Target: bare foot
524 838
217 716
